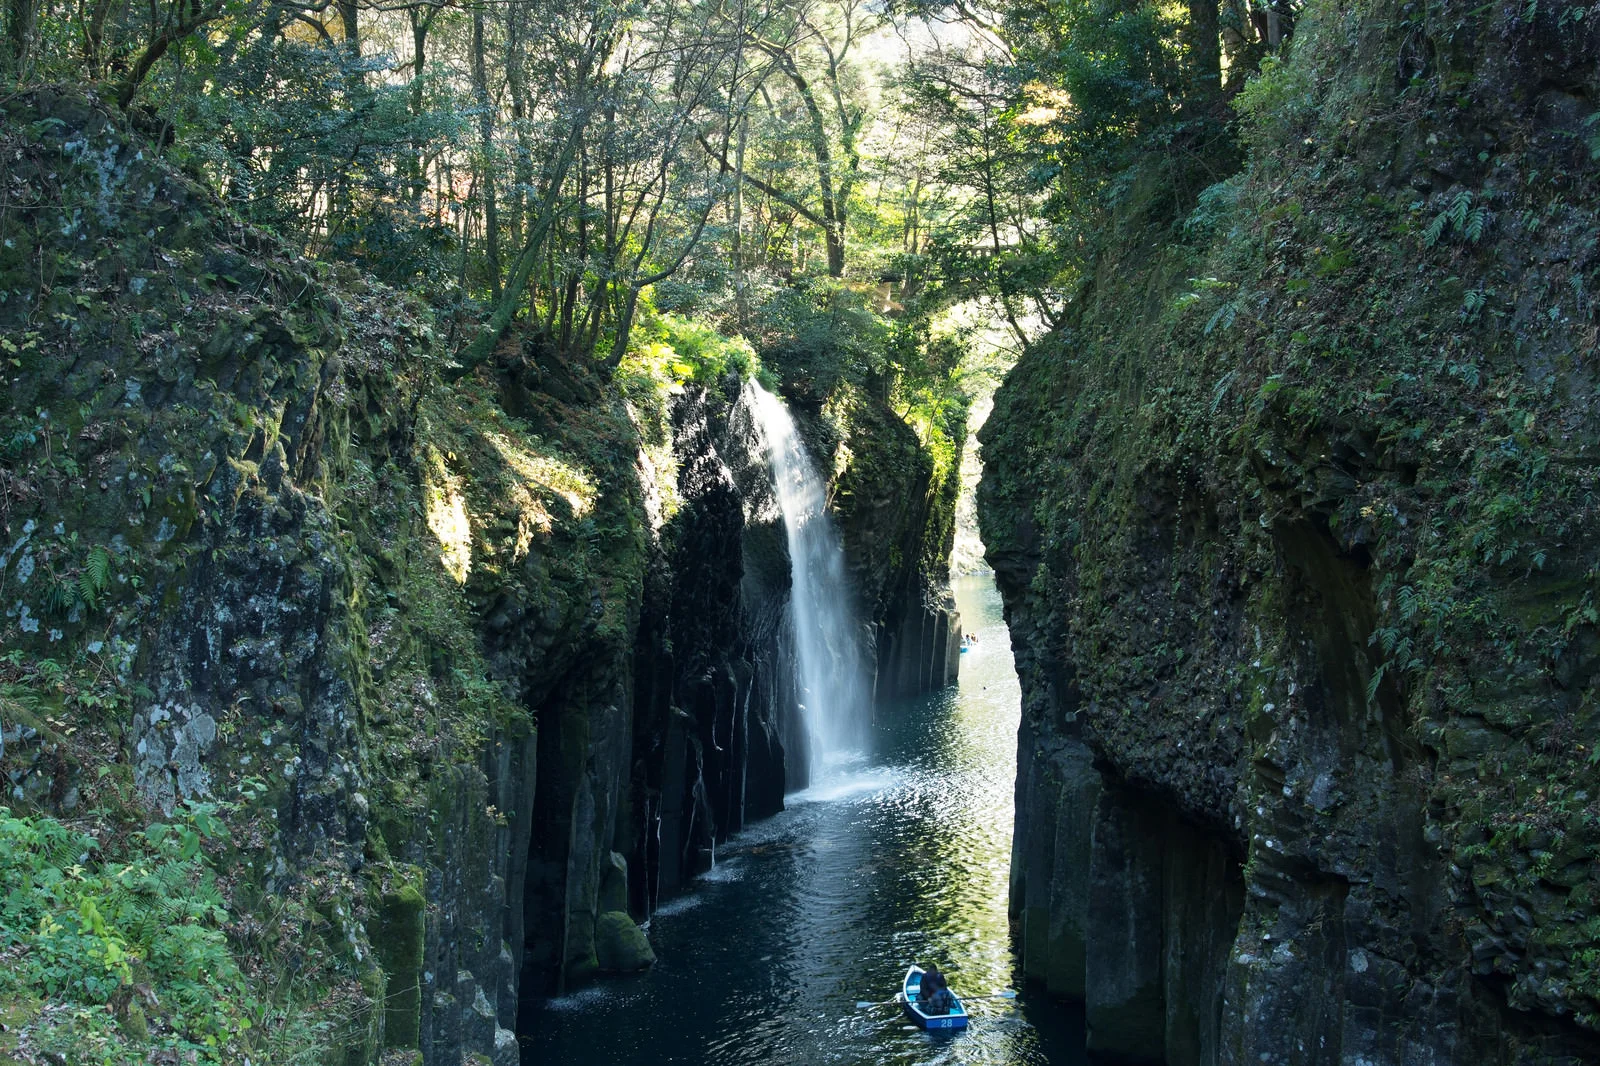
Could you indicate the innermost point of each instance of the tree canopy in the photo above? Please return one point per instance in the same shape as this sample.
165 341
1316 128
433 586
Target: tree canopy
760 164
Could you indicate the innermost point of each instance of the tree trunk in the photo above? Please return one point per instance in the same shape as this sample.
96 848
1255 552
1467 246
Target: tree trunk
420 25
506 308
349 22
619 347
1002 285
833 208
22 26
94 35
480 90
1205 53
741 298
517 84
180 24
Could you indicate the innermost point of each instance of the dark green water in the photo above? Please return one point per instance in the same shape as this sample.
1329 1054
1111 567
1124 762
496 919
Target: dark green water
898 855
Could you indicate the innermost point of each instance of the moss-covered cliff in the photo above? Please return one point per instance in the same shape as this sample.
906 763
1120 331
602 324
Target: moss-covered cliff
1295 522
257 560
344 710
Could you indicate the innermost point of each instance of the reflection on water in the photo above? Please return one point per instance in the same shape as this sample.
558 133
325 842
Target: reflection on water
899 855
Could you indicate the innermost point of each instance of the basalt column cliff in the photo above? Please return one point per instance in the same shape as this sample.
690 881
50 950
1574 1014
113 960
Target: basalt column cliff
1295 519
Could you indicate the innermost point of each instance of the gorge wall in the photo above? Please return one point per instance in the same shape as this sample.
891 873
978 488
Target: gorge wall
473 673
1295 521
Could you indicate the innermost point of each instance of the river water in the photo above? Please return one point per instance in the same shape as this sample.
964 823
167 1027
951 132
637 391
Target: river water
898 854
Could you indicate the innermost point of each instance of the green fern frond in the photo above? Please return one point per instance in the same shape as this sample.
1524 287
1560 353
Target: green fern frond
98 569
1374 681
1435 230
1477 224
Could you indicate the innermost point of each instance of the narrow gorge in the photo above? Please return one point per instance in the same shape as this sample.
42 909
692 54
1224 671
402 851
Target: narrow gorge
479 487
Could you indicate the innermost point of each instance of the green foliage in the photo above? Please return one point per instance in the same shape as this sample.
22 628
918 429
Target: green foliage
281 123
821 332
1278 104
1460 219
685 350
137 925
931 393
75 583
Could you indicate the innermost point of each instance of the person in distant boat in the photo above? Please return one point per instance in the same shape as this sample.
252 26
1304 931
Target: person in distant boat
935 996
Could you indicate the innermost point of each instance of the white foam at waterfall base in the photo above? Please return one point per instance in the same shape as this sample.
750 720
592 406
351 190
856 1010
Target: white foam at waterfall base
829 638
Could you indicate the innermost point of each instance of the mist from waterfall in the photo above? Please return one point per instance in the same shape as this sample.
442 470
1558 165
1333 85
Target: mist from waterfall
834 685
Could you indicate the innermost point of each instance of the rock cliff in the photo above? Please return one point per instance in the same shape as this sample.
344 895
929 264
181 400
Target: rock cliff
1295 524
471 673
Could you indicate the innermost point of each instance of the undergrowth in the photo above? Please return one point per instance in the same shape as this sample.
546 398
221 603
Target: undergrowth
113 947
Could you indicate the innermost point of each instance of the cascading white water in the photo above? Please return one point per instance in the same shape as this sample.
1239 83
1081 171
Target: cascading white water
834 688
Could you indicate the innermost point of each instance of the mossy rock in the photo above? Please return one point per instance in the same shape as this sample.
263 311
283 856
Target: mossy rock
13 1016
399 939
620 945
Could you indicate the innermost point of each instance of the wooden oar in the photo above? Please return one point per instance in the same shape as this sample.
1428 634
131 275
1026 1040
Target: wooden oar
863 1004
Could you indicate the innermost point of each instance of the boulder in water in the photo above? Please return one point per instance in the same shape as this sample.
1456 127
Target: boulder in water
620 945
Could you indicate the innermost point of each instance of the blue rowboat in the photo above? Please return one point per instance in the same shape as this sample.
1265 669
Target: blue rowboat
910 998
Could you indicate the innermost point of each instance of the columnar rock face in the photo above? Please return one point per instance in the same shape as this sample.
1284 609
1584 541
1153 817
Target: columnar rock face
717 736
897 519
1299 566
715 701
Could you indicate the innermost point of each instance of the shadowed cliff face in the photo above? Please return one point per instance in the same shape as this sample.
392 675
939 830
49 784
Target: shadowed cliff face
338 597
897 520
715 704
1299 570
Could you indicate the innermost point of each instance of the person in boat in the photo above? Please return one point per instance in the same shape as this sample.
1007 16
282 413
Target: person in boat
935 996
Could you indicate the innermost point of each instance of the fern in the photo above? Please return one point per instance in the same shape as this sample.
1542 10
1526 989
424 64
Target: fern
1406 600
1435 230
1460 218
1374 681
98 567
60 596
94 578
1477 224
1224 317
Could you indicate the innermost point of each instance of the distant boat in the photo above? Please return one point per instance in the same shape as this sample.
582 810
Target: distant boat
910 998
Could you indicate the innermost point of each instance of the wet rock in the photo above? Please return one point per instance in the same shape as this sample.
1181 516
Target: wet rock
620 945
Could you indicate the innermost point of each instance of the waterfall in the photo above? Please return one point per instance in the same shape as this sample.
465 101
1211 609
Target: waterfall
828 635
